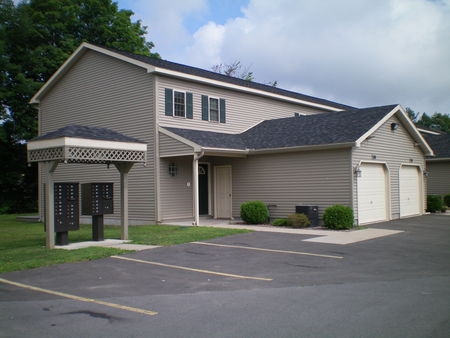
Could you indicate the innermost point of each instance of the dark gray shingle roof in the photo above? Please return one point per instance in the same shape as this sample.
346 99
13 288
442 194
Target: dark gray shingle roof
327 128
227 79
439 143
211 139
91 133
310 130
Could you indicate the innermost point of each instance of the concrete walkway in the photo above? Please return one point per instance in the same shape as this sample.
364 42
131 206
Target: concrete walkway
109 243
319 235
324 236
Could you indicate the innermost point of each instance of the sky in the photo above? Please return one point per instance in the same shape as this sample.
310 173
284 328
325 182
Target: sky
362 53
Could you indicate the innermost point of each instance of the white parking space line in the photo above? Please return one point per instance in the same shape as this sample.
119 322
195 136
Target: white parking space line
191 269
268 250
78 298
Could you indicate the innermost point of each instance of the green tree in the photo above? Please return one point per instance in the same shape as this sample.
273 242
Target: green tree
36 37
436 121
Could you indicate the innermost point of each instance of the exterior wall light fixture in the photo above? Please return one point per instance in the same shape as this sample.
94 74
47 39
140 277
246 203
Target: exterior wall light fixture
394 126
357 171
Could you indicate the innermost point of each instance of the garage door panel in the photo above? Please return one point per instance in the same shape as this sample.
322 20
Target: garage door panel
409 191
372 196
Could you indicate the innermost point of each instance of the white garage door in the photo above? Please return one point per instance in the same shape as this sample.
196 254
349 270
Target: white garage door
372 196
409 191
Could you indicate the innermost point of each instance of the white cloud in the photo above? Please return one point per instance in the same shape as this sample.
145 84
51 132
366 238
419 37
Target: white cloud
359 52
168 22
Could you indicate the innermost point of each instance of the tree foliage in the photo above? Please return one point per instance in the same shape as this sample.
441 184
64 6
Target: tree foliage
36 37
437 121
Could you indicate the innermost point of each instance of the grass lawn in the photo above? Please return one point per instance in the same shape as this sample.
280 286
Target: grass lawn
22 244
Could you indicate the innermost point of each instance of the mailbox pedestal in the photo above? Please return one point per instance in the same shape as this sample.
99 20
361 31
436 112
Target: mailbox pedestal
96 201
62 238
98 232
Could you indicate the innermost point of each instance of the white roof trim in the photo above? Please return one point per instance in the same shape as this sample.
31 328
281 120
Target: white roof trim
428 131
403 116
85 143
150 69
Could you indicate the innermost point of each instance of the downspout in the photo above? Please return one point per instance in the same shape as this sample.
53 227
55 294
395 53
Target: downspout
197 156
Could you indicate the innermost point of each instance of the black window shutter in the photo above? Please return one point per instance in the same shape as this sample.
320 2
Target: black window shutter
189 109
223 117
169 101
205 108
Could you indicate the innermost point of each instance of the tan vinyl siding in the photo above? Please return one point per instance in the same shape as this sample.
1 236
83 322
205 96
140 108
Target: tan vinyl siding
170 147
176 191
320 178
105 92
242 110
439 177
395 148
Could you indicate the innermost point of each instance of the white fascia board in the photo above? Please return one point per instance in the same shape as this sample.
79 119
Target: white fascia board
195 146
241 88
403 116
85 143
209 151
428 131
74 57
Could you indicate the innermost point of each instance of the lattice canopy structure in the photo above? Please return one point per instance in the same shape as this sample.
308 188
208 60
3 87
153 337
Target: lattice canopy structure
80 144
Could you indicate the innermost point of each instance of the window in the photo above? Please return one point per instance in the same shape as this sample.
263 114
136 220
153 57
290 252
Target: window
213 109
178 103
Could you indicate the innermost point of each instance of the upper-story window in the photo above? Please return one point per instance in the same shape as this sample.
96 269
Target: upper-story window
213 109
178 103
179 106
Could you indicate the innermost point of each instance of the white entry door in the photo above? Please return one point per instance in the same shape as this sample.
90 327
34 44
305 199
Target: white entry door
372 193
410 200
222 188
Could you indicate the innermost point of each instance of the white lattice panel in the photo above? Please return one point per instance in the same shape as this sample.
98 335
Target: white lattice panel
86 155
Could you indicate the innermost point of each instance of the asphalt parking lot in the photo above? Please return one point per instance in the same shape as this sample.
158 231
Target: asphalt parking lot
258 284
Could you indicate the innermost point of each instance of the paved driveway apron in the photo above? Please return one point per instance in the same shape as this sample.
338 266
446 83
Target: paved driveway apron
256 284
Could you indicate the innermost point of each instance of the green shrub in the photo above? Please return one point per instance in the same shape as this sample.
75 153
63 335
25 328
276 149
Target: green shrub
434 203
254 212
297 221
447 200
280 222
338 217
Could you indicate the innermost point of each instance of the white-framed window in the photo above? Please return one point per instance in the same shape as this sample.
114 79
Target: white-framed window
213 109
178 103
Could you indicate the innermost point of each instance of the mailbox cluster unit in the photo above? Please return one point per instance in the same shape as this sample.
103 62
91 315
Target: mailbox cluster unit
97 200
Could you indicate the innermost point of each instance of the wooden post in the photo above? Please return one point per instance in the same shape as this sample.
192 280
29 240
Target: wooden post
50 203
124 168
